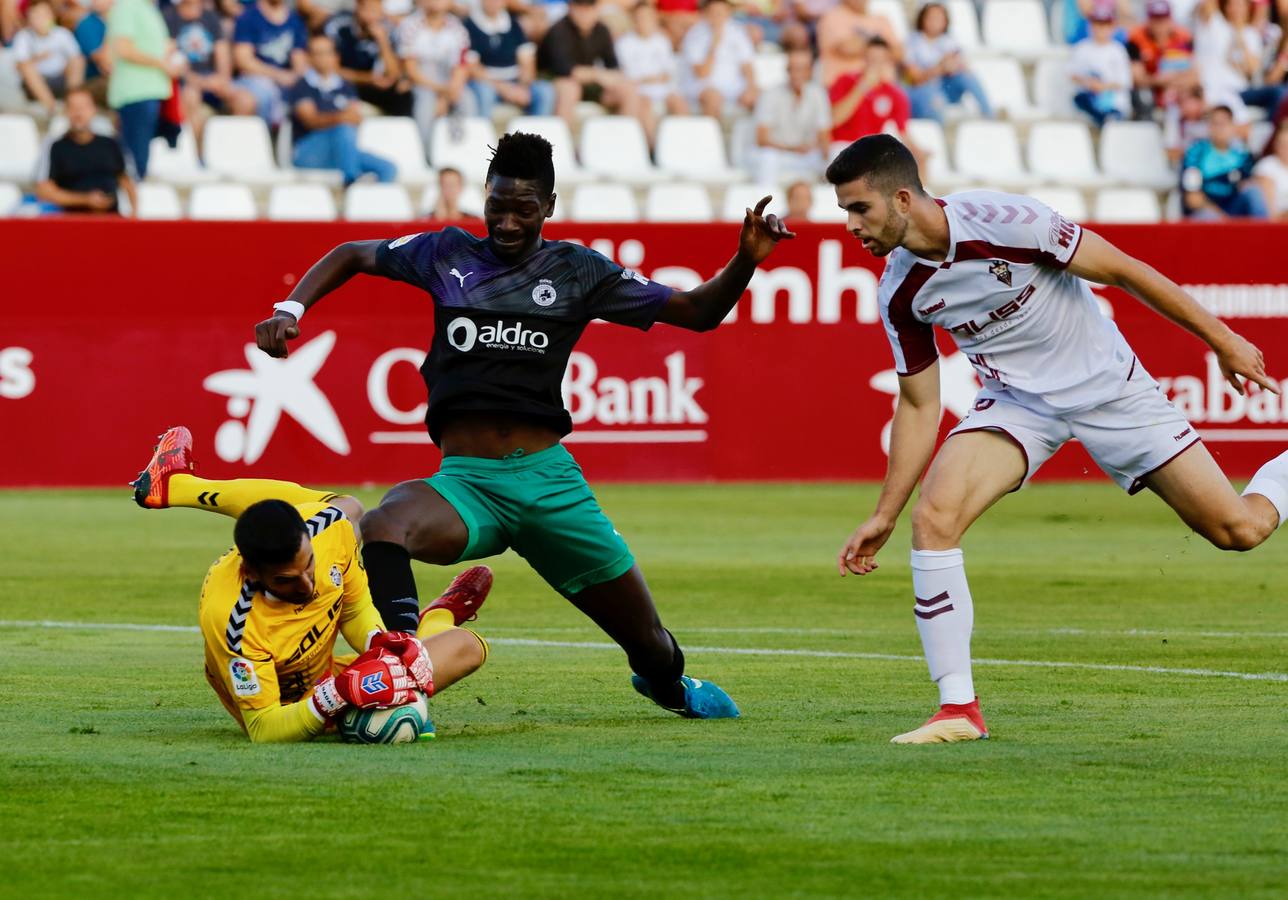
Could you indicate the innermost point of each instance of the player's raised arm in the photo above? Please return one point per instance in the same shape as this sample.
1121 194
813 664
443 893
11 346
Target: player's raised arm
325 276
912 441
1100 261
705 307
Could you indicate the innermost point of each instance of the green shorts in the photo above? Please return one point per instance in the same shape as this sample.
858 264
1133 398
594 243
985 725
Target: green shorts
541 505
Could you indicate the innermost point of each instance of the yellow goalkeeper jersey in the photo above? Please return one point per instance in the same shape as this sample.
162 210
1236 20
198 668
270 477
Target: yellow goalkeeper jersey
263 655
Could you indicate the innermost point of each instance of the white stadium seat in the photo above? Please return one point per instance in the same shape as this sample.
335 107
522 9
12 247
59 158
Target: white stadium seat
10 197
741 197
1127 206
824 207
239 147
990 152
770 68
1004 84
1259 134
377 203
615 147
693 147
222 201
462 144
604 203
556 131
678 202
1016 28
178 164
1067 201
301 203
1133 153
1061 152
1053 88
929 136
963 25
158 201
895 12
397 139
21 146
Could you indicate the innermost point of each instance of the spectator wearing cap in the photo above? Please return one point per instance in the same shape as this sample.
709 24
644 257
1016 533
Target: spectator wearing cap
48 57
793 125
1231 52
647 57
717 53
1101 70
843 33
200 35
325 119
84 170
144 68
1162 55
934 68
504 63
269 41
1076 14
870 102
434 48
1215 174
578 53
368 60
677 16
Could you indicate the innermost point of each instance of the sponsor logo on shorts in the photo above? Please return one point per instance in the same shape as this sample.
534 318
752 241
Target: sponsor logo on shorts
245 681
1177 437
373 683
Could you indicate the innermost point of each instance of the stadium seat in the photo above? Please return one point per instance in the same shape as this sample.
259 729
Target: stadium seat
471 201
963 24
1127 206
615 147
604 203
221 201
1061 152
740 197
1067 201
397 139
824 208
301 203
239 147
990 152
10 197
377 203
1260 132
1053 88
462 144
895 12
158 201
1003 81
1016 28
742 142
178 164
693 147
929 136
556 131
21 145
770 68
1132 153
678 202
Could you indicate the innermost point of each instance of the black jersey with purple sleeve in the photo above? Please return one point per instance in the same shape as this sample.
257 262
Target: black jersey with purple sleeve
503 332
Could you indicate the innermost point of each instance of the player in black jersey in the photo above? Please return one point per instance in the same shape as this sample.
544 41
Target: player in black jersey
508 310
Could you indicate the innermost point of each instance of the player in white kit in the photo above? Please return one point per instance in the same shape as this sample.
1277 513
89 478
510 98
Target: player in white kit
1004 275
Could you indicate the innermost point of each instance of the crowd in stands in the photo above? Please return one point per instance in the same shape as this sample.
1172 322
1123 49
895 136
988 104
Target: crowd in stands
1206 71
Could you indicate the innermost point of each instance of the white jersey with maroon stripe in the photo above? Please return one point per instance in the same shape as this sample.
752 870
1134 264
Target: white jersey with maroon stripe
1003 294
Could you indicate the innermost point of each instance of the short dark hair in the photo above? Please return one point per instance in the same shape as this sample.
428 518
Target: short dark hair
524 155
268 533
920 24
1221 108
878 41
881 159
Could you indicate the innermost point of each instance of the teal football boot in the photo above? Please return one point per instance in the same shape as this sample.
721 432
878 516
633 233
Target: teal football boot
702 699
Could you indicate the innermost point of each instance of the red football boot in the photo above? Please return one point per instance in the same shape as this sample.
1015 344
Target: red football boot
953 722
464 595
172 454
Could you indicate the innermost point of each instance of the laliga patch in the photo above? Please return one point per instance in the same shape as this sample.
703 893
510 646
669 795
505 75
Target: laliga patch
544 293
245 681
373 683
398 242
632 275
336 578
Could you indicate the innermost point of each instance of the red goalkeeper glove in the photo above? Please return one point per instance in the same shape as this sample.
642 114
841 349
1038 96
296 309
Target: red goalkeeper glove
376 678
411 653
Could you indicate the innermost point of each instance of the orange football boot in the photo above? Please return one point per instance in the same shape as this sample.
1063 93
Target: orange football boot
172 454
953 722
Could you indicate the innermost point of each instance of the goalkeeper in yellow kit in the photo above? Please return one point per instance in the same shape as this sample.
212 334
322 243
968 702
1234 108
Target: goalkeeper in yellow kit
272 606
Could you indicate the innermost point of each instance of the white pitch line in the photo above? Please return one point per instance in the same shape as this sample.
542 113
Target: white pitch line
733 651
1145 632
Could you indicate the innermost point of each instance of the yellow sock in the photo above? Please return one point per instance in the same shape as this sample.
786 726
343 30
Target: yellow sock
482 643
231 498
436 621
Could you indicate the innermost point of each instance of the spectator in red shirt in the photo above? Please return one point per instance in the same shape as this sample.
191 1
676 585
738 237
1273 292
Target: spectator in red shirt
871 101
1162 55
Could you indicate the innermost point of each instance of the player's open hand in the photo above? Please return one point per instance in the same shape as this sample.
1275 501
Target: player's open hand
859 555
760 232
1240 359
272 334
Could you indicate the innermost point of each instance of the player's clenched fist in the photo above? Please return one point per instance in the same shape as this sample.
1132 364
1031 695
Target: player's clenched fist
376 678
272 334
411 653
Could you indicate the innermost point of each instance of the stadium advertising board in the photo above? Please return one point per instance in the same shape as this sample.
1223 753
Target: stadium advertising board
114 330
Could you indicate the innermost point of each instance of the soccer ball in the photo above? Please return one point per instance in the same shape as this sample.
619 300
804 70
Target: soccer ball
393 725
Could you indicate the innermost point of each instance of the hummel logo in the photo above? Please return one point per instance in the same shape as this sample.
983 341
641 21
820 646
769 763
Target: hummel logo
1177 437
455 273
934 307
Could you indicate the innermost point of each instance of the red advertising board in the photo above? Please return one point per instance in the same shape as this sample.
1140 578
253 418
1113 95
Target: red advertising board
111 331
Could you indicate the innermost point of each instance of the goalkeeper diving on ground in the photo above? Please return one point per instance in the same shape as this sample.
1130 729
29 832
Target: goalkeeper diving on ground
272 606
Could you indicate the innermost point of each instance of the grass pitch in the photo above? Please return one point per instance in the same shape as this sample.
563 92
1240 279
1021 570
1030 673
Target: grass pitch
1118 774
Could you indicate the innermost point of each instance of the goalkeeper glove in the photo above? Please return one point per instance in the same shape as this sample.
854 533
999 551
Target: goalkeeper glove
376 678
413 655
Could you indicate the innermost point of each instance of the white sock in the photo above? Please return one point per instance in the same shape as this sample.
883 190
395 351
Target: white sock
945 616
1271 482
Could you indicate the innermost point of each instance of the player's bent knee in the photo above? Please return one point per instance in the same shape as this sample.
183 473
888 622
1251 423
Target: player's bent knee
934 527
380 525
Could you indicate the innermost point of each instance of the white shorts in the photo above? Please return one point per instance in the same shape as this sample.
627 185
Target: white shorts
1129 437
